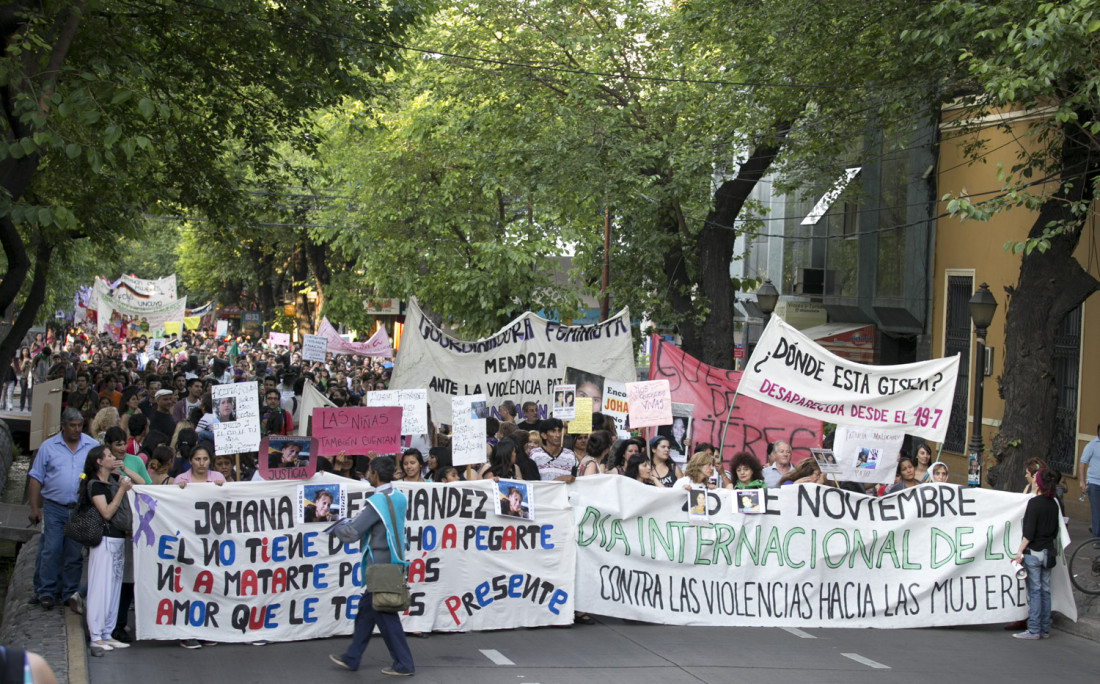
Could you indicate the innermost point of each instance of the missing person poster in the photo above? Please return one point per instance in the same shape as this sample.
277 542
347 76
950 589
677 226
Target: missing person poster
237 418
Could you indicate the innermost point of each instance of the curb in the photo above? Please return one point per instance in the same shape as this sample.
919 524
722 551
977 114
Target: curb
57 635
1085 627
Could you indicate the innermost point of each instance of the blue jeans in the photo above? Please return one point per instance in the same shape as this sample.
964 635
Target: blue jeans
1094 505
59 565
389 624
1038 594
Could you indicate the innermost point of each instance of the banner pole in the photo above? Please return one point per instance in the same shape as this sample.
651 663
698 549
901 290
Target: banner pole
729 415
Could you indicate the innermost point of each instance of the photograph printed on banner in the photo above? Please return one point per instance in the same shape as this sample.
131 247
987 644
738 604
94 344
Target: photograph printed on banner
826 461
320 503
868 458
514 500
697 505
750 501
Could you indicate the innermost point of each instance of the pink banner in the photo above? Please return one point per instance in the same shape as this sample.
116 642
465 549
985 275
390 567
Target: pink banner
753 425
378 345
356 430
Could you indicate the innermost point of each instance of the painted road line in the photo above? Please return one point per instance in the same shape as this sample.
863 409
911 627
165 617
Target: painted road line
865 661
798 632
496 656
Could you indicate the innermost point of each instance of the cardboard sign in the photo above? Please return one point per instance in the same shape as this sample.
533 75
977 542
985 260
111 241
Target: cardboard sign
45 411
414 407
237 416
287 457
468 429
314 348
650 403
357 430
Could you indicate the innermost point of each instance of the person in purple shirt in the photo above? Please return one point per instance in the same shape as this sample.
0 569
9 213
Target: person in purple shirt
52 485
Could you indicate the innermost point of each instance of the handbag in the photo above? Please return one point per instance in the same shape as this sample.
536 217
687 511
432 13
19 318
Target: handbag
388 582
85 525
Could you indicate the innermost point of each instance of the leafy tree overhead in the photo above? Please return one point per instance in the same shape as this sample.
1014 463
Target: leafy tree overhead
113 109
510 141
1010 55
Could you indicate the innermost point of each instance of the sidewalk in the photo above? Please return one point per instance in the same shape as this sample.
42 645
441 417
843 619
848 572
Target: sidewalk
57 635
1088 607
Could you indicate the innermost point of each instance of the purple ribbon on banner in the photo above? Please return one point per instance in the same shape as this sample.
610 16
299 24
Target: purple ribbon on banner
145 518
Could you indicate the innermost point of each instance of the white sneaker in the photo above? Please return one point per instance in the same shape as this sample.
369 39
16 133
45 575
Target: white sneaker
114 643
103 645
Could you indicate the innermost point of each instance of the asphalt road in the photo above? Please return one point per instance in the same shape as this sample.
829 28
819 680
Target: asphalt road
615 651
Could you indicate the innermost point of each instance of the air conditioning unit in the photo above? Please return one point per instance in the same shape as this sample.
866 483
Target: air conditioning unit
809 281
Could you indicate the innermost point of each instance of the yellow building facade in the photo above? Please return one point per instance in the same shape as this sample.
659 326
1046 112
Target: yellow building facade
968 253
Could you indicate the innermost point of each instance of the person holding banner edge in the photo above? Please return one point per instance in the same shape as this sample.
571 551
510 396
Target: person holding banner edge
1040 534
375 530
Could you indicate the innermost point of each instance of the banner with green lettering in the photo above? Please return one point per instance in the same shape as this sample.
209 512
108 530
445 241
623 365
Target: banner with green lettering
812 556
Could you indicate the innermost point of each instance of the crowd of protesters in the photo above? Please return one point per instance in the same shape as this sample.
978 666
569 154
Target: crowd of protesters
142 413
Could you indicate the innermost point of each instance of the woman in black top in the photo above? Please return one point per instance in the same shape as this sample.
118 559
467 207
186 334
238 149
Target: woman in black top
1040 533
107 492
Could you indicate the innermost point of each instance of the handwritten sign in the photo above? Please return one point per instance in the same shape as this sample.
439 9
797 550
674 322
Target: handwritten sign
582 424
650 403
314 348
414 407
279 339
241 402
468 429
357 430
221 328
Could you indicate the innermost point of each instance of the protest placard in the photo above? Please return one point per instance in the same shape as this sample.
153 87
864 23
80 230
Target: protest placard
237 412
679 432
357 430
582 424
314 348
565 398
791 371
414 407
287 457
468 429
251 561
608 396
814 556
279 339
866 454
650 403
520 362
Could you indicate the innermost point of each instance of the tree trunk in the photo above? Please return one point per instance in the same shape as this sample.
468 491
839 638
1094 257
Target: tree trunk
712 341
299 268
318 255
1051 284
35 297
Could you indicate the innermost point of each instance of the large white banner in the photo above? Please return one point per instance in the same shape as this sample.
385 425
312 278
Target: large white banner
250 561
817 557
143 303
791 371
522 361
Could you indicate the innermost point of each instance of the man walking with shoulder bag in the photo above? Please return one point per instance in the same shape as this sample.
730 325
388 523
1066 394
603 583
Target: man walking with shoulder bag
379 529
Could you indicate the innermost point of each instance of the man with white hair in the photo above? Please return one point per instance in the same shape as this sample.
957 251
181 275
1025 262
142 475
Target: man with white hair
52 485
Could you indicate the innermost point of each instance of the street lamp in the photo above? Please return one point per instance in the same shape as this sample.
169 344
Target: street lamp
982 308
766 298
